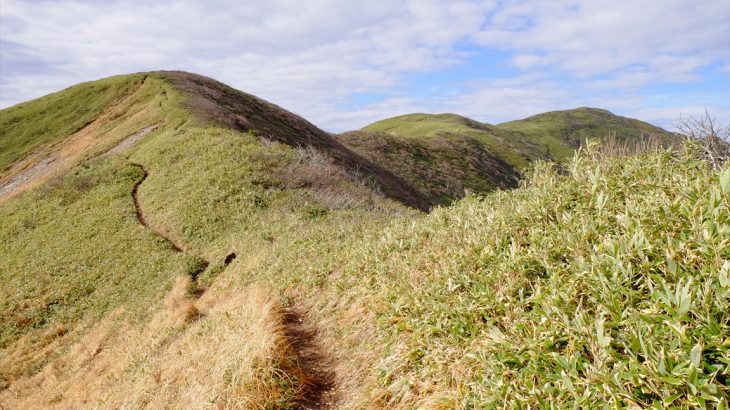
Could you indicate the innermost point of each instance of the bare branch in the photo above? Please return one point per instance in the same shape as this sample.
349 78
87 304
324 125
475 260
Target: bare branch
713 139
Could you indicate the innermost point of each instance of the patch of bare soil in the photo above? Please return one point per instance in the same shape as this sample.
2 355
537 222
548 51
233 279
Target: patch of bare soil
50 160
318 385
43 167
130 141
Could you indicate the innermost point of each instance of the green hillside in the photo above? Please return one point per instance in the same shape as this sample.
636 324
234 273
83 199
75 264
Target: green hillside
511 148
48 119
205 248
558 133
446 155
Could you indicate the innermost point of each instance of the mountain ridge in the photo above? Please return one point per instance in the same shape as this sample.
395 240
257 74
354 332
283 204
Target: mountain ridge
419 173
166 258
412 145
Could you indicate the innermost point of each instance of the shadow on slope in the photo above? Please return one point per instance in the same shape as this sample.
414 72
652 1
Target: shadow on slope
216 102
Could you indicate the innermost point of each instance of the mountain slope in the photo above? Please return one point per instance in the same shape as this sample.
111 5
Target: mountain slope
26 126
213 101
199 265
443 167
205 99
518 152
144 104
559 133
132 209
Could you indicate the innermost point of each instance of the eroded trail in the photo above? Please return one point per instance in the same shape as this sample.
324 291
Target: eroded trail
318 382
129 142
140 212
142 219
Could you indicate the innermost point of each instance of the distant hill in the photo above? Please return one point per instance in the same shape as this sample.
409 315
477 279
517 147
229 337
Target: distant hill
442 166
445 155
559 133
518 152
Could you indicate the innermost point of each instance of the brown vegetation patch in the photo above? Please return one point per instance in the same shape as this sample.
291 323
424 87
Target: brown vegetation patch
333 185
233 348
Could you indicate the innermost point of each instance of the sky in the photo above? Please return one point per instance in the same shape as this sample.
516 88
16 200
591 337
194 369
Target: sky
345 64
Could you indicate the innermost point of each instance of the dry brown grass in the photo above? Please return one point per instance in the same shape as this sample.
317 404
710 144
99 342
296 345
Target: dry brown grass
179 303
227 349
333 185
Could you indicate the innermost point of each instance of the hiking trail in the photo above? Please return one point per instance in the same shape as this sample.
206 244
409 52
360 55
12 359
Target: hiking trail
318 384
178 247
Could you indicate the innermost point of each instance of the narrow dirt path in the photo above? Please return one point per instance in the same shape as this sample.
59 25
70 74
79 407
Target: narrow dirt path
140 213
175 245
318 385
317 380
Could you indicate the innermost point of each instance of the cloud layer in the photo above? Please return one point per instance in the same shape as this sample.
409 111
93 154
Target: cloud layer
343 65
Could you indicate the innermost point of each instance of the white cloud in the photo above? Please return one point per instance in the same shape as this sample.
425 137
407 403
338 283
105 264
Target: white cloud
313 57
339 119
600 36
501 100
288 51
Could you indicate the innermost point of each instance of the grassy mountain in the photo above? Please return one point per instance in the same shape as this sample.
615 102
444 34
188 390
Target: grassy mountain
445 155
194 246
559 133
518 152
46 120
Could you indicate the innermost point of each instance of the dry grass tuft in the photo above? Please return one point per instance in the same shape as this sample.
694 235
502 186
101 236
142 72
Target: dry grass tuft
333 185
611 146
179 301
